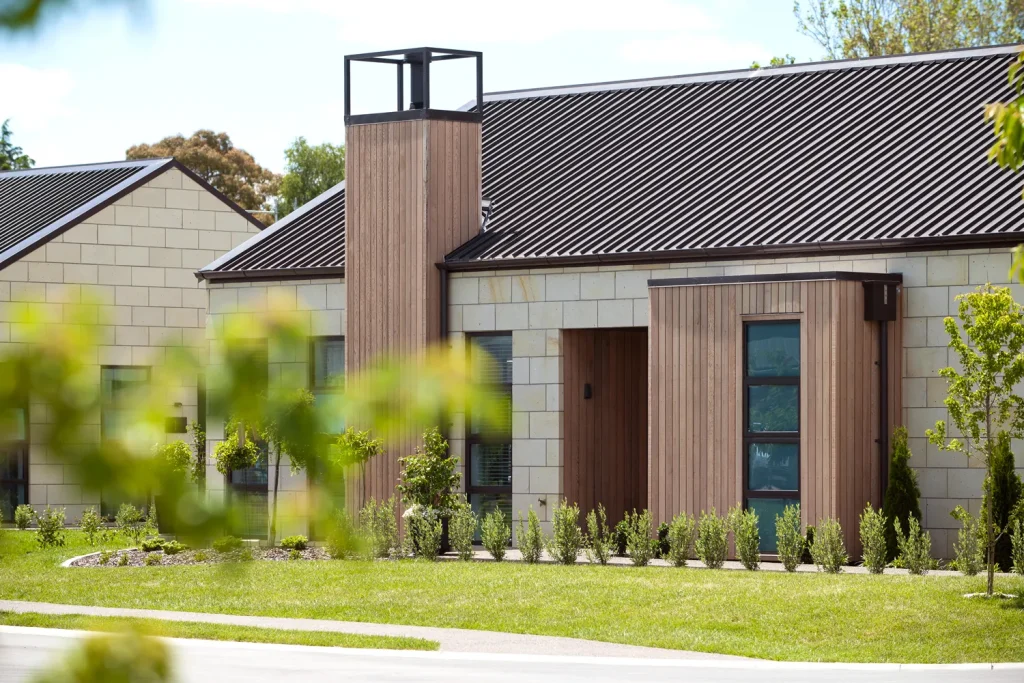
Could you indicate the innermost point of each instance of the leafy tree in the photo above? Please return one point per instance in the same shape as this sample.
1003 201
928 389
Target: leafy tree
1002 491
215 159
26 15
311 170
429 477
12 158
981 398
902 495
775 61
854 29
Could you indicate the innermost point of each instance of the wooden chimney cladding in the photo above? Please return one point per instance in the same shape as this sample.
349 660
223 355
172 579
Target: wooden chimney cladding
696 402
412 196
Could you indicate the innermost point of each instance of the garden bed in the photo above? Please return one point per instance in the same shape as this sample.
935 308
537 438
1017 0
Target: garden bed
137 558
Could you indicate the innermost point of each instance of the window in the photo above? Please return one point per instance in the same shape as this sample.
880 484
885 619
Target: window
14 464
248 487
327 378
489 447
117 383
771 421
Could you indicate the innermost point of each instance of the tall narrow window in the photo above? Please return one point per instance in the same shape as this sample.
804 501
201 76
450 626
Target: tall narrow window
327 378
14 462
489 445
248 487
771 421
117 383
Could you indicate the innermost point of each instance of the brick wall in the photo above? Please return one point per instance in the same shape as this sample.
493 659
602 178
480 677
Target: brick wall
135 259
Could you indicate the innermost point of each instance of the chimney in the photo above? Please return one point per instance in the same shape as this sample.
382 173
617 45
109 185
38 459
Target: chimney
412 195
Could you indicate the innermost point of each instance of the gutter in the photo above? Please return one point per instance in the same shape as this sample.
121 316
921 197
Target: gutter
270 274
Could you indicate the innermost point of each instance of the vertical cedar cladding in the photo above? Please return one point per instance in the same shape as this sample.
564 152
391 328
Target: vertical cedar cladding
605 446
412 196
696 403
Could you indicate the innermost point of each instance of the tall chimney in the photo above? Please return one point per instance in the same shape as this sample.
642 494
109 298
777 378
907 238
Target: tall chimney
412 195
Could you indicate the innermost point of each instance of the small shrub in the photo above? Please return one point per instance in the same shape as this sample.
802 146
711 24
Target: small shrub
227 544
828 549
639 545
426 530
152 558
379 527
530 537
902 495
343 540
298 542
201 556
461 529
90 524
122 560
496 534
712 539
50 533
790 544
566 535
681 533
105 556
599 538
1017 546
153 544
872 538
130 522
915 547
663 539
246 555
970 555
23 515
174 547
746 536
619 536
295 554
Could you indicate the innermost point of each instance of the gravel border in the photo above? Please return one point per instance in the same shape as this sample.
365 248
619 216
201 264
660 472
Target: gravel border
137 558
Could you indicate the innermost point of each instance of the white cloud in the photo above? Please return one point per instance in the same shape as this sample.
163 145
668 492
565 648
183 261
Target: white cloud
415 22
40 96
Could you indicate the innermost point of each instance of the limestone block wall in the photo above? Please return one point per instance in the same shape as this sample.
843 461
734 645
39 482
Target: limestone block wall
321 309
535 305
136 260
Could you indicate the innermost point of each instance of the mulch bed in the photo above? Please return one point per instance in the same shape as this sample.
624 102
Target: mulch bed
137 558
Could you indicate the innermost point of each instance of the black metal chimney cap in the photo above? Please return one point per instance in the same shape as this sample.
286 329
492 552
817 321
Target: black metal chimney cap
419 60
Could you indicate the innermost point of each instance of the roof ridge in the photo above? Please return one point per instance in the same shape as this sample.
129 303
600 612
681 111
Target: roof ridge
764 72
127 163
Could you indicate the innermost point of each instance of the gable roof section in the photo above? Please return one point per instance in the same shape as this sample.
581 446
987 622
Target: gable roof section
843 156
849 155
310 241
41 203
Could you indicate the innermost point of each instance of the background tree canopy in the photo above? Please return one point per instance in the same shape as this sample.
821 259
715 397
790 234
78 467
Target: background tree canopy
214 158
852 29
12 158
311 170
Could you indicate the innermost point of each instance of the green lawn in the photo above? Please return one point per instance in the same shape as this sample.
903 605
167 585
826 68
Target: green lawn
809 617
196 629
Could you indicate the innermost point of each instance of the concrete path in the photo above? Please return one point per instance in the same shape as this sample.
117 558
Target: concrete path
24 651
451 639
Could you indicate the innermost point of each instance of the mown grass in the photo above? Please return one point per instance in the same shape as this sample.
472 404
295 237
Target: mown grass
802 617
203 631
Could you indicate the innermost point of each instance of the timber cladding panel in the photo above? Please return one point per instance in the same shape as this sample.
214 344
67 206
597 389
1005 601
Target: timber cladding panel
605 447
696 401
413 195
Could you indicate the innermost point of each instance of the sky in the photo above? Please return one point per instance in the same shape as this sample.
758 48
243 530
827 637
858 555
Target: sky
85 87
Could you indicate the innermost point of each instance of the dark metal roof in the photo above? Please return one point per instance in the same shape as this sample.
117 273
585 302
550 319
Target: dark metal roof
310 241
874 154
40 203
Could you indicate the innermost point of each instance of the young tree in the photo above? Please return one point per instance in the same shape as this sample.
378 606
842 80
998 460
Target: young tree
12 157
902 495
215 159
311 170
854 29
981 399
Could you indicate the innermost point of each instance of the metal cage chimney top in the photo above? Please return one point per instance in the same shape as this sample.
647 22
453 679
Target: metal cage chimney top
419 60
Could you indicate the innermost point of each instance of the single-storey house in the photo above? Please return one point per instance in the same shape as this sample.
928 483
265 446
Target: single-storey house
126 237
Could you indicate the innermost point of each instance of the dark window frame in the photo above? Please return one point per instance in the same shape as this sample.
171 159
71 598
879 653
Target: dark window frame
234 488
103 422
313 387
752 437
23 446
484 439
